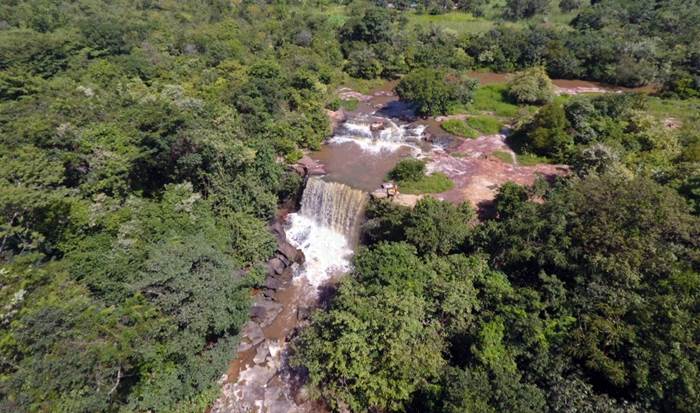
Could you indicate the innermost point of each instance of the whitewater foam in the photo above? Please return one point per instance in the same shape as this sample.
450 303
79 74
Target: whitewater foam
327 252
389 137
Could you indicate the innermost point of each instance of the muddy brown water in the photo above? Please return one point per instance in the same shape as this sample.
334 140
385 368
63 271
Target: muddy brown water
349 164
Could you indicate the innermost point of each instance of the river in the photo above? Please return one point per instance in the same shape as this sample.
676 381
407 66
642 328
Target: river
365 145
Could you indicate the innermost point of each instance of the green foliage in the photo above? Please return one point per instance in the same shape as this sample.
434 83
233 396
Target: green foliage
408 169
548 133
438 227
142 150
493 98
520 9
411 178
473 126
459 128
531 86
429 184
485 124
139 157
372 349
504 156
613 241
434 92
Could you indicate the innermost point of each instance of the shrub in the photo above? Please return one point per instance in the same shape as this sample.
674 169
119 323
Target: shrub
531 86
408 170
434 92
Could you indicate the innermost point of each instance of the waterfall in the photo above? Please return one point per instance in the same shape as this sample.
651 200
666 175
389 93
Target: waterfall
325 228
333 205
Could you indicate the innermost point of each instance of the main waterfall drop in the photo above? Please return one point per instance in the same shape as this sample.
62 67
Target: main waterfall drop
325 228
333 205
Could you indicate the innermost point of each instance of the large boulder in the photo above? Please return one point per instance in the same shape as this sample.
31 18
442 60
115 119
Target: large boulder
290 252
276 266
264 311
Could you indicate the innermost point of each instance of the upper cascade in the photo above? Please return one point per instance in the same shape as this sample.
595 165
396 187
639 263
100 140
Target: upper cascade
379 128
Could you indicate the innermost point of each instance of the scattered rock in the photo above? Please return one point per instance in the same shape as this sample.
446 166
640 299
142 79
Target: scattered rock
252 335
277 229
275 266
273 284
264 311
406 200
303 313
261 354
311 166
288 273
379 194
290 252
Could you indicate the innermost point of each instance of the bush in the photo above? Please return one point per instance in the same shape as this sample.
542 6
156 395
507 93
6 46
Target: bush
522 9
548 133
531 86
434 92
408 169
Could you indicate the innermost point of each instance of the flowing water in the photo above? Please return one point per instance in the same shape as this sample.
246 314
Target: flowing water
326 228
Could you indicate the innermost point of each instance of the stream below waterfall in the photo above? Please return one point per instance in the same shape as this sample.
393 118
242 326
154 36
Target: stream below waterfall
365 146
355 161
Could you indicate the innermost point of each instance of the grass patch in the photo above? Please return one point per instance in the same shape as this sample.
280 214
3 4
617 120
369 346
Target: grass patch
428 184
361 85
492 98
503 156
485 124
457 21
459 128
349 104
529 159
682 109
473 127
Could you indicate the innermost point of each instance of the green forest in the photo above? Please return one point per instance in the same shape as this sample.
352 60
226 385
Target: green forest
145 149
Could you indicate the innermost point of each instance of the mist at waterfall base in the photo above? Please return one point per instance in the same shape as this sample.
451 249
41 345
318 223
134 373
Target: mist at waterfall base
325 229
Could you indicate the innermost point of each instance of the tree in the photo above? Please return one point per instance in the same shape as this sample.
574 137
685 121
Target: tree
434 91
531 86
408 169
548 133
568 6
523 9
438 227
370 350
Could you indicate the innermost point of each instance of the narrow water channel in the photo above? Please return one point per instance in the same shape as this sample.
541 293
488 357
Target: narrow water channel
356 161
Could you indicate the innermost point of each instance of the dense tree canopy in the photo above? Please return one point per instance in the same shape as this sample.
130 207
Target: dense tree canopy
434 92
143 152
